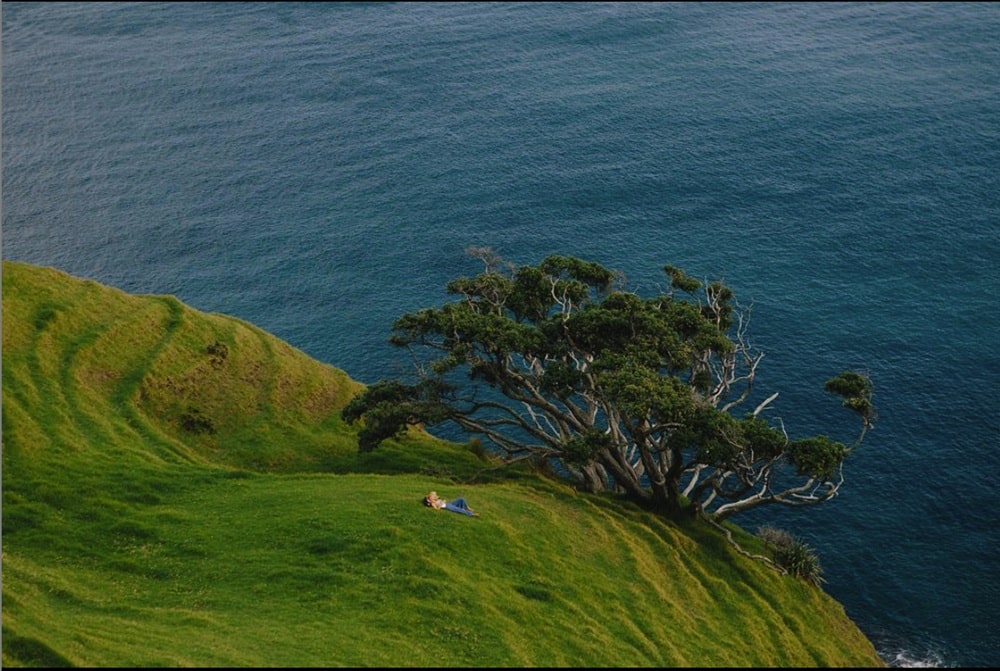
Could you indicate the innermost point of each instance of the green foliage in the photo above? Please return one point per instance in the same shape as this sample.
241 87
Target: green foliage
856 390
763 439
581 449
593 275
639 391
819 457
389 407
792 554
680 280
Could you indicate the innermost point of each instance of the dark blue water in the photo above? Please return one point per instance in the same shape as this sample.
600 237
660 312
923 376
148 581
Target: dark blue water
319 169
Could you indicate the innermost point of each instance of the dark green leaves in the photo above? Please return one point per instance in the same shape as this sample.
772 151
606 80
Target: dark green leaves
461 328
856 390
680 280
761 438
488 291
388 407
586 272
582 448
817 457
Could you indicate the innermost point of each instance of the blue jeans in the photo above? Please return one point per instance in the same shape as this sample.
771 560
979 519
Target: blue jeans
458 506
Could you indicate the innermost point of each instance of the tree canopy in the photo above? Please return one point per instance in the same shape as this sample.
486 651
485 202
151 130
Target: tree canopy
560 361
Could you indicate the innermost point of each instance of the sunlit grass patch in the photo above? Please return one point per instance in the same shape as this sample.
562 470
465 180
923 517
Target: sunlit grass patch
130 539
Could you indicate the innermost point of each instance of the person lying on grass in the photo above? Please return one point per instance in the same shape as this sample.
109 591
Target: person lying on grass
458 505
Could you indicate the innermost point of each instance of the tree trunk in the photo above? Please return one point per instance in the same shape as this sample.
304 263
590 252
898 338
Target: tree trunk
592 482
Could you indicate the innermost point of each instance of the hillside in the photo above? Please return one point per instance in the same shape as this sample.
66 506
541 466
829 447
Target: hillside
178 490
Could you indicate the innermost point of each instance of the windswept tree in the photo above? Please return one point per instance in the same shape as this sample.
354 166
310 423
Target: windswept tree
638 395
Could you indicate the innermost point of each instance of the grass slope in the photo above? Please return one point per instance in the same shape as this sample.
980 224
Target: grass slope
178 490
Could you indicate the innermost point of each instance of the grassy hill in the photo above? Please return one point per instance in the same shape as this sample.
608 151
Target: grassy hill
178 490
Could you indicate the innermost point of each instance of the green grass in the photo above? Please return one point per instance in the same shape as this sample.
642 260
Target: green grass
259 536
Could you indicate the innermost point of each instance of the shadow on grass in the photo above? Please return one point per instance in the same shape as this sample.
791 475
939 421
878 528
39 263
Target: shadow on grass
30 652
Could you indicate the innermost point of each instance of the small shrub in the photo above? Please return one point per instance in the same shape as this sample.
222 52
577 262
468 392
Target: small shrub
800 560
792 554
194 421
218 352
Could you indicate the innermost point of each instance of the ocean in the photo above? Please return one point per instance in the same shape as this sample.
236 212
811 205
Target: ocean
320 169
